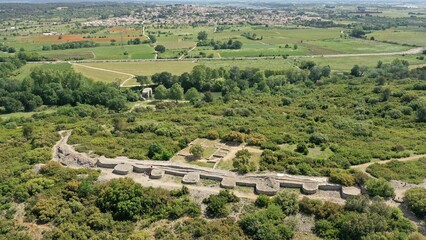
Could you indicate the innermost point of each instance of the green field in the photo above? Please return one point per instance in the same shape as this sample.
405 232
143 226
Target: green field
357 46
402 35
142 51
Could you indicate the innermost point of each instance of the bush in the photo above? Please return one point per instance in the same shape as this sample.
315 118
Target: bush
318 138
235 137
212 134
342 177
287 201
196 150
416 201
242 162
380 187
217 204
266 224
262 201
160 48
302 148
157 152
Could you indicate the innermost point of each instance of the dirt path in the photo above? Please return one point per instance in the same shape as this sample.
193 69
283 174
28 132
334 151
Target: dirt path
183 55
364 166
416 66
408 52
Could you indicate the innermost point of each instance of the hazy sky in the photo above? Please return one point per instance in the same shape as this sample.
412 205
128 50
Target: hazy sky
206 1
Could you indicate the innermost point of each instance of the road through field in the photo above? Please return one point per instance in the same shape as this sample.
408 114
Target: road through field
408 52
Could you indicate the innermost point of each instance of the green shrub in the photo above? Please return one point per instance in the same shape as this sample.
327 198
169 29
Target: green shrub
416 201
380 187
342 177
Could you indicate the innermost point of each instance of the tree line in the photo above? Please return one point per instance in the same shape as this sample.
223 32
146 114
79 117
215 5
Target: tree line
55 88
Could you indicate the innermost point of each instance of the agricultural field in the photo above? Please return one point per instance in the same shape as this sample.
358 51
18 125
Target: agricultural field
402 35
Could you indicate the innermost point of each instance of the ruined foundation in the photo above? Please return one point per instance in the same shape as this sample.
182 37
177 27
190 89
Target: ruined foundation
266 183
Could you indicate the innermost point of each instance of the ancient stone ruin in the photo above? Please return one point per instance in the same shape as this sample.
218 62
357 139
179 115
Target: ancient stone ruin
263 183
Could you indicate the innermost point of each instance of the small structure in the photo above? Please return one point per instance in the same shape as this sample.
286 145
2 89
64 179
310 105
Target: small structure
348 192
147 93
123 169
268 187
156 173
310 188
228 183
191 178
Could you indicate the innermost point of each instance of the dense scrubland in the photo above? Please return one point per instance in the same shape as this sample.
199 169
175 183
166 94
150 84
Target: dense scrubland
314 117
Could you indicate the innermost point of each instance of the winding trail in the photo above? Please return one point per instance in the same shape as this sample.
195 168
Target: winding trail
363 167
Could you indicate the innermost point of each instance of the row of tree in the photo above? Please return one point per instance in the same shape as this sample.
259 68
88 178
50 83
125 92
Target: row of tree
71 45
205 79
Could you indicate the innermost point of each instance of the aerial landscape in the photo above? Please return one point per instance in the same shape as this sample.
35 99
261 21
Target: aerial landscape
218 120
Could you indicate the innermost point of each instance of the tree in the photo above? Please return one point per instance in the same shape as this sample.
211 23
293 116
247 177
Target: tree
192 95
217 204
143 80
160 48
161 92
262 201
242 161
197 150
202 36
380 187
421 113
302 148
176 92
27 131
266 224
208 97
157 152
122 197
152 38
358 32
355 71
287 201
386 94
11 105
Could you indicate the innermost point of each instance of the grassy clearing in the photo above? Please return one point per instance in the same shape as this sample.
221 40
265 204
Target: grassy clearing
409 171
357 46
273 64
145 68
99 75
315 153
346 63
